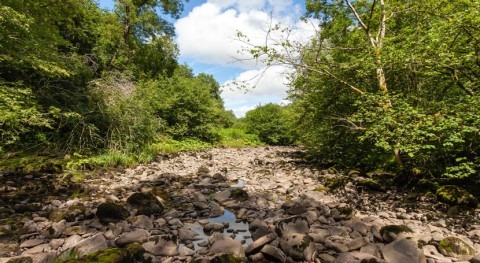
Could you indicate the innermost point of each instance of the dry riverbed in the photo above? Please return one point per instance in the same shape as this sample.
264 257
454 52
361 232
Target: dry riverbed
228 205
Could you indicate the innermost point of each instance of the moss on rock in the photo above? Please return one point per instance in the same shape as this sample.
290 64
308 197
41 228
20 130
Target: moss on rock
146 204
370 184
391 232
111 213
396 229
227 258
239 194
456 247
335 183
132 253
455 195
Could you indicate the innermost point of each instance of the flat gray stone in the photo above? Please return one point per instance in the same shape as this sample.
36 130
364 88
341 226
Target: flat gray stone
402 251
259 243
31 243
227 246
356 256
166 245
357 243
143 222
137 236
91 244
186 234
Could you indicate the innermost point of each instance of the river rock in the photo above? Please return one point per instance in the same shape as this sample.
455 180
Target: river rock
185 251
165 245
259 243
295 224
146 204
111 213
457 248
357 243
225 245
356 257
212 227
56 243
71 241
273 253
186 234
222 196
56 229
31 243
143 221
258 228
298 246
391 232
475 259
401 251
19 259
137 236
91 244
37 249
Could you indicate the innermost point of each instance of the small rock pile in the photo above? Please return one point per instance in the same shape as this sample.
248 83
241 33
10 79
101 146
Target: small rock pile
148 214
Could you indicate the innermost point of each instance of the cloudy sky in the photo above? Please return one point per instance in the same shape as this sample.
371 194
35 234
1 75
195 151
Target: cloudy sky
206 35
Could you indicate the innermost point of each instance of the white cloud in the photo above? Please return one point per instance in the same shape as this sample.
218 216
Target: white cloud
208 35
269 85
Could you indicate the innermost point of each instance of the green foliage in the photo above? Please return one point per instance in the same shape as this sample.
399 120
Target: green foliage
422 120
20 116
455 195
102 86
269 123
186 104
237 138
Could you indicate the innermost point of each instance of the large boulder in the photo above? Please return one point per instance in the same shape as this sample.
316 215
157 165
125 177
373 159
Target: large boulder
146 204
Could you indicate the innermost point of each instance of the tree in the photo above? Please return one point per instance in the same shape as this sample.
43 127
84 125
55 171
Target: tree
377 84
269 122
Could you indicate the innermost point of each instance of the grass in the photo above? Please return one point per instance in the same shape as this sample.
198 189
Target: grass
237 138
229 137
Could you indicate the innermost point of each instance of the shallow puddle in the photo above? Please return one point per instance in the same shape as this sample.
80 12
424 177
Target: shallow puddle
239 229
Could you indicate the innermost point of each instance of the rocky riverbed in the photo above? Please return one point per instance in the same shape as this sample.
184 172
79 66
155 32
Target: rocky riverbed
229 205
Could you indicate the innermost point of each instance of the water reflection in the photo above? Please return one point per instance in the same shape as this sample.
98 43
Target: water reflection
239 229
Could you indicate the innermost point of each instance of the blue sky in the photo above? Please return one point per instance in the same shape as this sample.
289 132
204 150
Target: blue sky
206 37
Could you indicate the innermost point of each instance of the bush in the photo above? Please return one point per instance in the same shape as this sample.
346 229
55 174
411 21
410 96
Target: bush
269 123
237 138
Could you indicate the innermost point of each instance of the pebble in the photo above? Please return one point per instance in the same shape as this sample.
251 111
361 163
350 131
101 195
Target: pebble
337 225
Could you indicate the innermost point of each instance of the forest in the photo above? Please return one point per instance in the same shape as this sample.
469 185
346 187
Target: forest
386 86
